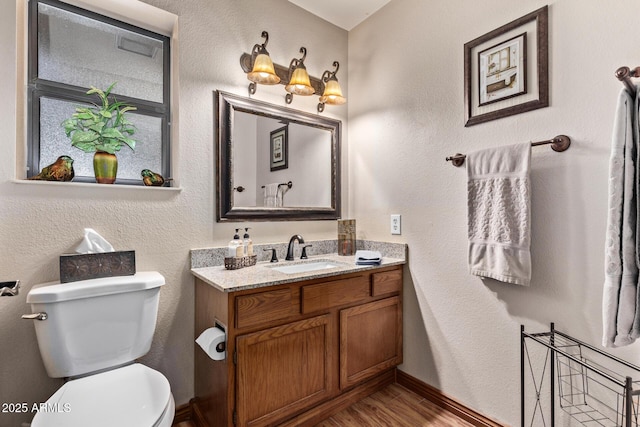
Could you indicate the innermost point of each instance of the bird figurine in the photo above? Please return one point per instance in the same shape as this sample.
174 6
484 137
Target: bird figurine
60 170
150 178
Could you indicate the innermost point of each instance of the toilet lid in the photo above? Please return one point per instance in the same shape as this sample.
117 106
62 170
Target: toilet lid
134 395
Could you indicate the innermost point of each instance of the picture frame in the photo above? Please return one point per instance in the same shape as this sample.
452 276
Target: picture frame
506 71
279 149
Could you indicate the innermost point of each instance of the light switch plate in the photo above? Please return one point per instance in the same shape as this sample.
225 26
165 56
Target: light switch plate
396 224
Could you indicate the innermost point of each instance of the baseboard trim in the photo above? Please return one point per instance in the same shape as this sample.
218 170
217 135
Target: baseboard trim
196 414
183 413
448 403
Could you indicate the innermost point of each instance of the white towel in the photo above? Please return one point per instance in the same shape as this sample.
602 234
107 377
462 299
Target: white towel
620 294
499 213
271 195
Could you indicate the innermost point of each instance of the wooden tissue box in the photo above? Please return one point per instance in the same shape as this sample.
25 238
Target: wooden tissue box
74 267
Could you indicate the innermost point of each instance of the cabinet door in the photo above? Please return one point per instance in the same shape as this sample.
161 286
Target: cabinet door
283 370
370 340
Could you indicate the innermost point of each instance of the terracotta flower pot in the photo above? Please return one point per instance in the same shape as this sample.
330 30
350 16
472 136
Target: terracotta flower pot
105 167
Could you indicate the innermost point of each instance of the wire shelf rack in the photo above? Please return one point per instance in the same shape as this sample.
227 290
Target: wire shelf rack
594 388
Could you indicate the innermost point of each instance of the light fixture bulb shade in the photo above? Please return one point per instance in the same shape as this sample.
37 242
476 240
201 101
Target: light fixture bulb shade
263 71
300 83
333 93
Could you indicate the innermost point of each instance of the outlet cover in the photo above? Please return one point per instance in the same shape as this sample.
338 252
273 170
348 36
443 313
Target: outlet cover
396 224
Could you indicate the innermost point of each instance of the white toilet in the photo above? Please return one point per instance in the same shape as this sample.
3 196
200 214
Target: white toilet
92 333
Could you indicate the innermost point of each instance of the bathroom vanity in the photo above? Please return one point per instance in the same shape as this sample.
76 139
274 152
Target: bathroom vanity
300 346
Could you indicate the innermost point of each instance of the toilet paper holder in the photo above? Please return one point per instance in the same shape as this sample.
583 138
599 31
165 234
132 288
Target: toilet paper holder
213 341
9 289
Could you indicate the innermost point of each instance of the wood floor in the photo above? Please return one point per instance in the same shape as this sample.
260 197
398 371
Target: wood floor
394 406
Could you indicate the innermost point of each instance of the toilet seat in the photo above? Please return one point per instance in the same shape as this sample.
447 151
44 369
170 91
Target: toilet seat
134 395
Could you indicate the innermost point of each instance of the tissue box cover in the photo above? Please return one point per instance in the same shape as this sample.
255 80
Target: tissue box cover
74 267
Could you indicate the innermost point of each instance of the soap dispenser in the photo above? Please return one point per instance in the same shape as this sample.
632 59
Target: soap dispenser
247 242
236 249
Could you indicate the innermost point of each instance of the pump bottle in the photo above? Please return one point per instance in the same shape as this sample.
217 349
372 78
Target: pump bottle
236 249
247 242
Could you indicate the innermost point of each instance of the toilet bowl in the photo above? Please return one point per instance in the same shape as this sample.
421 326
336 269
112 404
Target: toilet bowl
92 333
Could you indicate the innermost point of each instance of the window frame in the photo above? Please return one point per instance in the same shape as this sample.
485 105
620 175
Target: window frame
38 88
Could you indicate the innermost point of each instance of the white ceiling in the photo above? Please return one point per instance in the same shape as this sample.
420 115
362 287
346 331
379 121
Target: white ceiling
343 13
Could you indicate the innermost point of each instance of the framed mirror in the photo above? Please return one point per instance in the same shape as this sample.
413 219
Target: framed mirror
275 163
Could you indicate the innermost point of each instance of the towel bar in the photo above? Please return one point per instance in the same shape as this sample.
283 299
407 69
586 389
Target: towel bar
559 143
624 74
287 184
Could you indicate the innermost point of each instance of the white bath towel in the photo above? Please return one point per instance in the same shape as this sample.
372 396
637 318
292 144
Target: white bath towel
620 294
499 213
271 195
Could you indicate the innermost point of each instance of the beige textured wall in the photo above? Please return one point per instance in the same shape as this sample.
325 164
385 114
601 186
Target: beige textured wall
406 115
38 222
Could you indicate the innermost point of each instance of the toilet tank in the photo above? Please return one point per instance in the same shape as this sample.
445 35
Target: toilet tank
95 324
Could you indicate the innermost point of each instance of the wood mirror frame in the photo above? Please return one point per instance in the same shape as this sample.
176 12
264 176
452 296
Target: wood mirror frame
226 105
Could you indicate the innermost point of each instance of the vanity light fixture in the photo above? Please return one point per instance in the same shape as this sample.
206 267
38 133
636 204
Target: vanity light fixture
332 94
299 83
262 70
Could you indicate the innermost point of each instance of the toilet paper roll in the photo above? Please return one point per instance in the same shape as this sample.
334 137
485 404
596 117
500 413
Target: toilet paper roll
212 341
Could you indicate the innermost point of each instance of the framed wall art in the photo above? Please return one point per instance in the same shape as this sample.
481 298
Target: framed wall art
506 71
279 149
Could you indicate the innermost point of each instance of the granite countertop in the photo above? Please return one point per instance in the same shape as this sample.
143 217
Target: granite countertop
262 274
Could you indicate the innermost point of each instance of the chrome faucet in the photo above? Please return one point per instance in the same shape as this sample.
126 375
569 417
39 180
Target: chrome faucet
291 244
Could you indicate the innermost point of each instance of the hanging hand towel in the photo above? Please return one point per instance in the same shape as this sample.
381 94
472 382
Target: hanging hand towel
499 213
620 300
271 195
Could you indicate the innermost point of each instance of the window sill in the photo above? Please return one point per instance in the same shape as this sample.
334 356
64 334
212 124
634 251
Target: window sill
95 185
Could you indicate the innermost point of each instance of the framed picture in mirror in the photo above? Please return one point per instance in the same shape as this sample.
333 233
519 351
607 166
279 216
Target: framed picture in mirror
279 149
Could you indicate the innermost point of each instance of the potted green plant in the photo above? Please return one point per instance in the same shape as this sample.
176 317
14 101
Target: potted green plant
101 129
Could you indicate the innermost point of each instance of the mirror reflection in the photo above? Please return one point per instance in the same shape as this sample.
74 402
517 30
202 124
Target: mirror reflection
275 162
270 153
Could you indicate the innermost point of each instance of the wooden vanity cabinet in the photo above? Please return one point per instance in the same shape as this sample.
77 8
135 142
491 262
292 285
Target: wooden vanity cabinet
296 352
282 370
370 340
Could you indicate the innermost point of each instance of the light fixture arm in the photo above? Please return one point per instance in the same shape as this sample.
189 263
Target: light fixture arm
327 75
303 51
258 47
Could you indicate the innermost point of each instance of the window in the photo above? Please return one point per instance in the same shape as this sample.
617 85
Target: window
72 49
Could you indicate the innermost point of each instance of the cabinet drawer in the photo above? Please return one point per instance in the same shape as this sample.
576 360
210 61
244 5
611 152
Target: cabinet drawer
386 282
264 307
323 296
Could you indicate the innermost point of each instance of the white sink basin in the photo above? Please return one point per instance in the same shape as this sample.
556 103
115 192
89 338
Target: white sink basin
306 267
